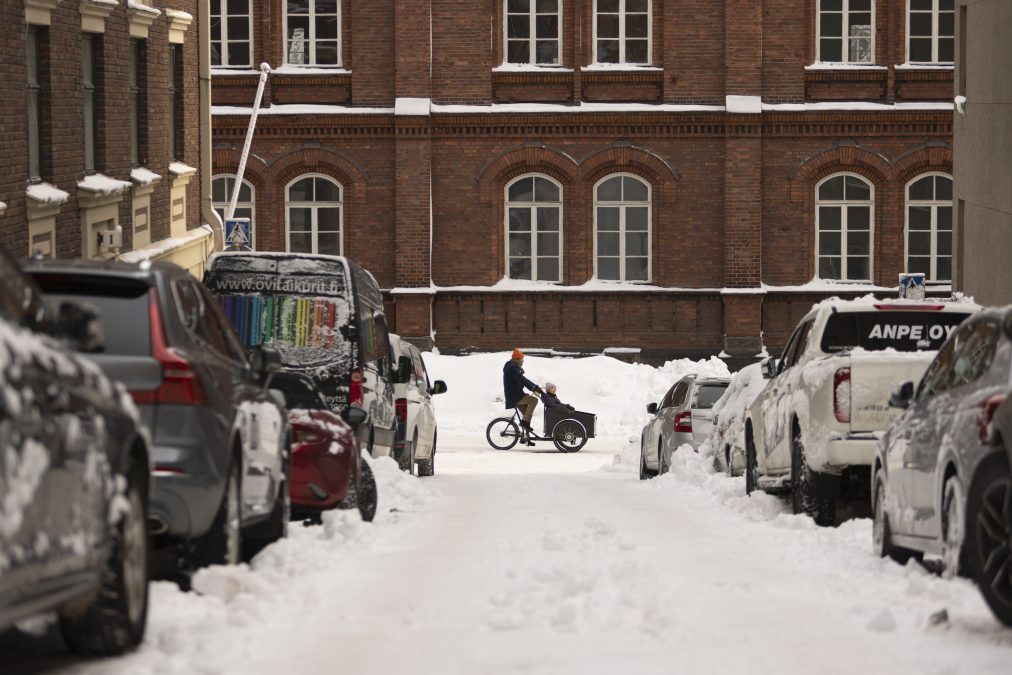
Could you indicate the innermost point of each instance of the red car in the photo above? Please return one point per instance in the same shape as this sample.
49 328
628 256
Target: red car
327 467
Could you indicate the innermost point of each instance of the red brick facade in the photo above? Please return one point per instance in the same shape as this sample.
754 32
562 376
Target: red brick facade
732 193
63 163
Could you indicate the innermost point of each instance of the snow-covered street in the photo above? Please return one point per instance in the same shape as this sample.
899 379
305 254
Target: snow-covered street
539 562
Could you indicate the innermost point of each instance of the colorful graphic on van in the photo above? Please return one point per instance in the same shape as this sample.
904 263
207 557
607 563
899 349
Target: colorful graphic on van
304 330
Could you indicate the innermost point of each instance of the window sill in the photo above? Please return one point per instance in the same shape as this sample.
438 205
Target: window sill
529 68
620 67
827 65
290 69
232 71
924 66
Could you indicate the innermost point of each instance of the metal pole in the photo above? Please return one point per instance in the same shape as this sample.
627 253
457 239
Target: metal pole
264 71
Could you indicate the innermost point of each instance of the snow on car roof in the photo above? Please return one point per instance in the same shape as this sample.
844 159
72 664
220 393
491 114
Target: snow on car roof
871 302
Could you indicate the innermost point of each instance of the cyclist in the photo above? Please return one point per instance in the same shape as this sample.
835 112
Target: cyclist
514 383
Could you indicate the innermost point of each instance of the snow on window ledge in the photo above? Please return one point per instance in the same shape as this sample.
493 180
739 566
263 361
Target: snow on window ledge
100 184
530 68
290 69
829 65
180 169
143 176
228 70
924 66
621 67
45 193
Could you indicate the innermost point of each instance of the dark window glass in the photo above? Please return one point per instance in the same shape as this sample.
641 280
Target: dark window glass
122 306
175 102
708 394
35 63
299 394
138 102
904 331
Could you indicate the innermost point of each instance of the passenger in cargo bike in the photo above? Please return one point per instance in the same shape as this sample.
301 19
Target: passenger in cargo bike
551 400
514 383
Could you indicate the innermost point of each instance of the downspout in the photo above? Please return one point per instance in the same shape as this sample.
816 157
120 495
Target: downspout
207 212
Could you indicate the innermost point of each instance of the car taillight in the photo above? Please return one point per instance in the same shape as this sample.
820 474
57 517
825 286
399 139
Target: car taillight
355 389
307 435
401 405
683 421
180 384
985 415
841 395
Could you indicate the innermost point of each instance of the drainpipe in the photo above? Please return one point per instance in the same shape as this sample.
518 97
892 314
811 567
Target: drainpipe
207 212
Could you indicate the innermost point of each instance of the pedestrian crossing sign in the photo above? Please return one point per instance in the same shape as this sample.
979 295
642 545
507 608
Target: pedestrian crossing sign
238 234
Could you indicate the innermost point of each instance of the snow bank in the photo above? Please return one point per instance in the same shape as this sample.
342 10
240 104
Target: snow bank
616 391
729 411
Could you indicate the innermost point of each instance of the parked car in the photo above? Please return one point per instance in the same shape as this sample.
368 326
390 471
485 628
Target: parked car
327 467
682 417
74 477
325 316
941 479
416 413
220 442
812 430
727 436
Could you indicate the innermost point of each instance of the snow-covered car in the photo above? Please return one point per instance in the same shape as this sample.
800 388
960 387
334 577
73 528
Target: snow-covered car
416 414
74 477
327 467
812 429
681 418
727 436
940 480
220 442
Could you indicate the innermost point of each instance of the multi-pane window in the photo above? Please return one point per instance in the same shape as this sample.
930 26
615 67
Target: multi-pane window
175 101
138 101
929 227
314 209
35 99
844 211
312 32
245 206
622 229
622 31
90 78
231 32
931 31
532 31
846 31
534 228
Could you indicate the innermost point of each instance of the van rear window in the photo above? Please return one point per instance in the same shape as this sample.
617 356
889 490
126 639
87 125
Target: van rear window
904 331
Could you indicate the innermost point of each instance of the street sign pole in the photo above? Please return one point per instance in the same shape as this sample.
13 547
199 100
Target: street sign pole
264 72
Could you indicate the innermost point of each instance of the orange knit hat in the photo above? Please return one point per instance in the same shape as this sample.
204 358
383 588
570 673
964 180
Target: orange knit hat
517 354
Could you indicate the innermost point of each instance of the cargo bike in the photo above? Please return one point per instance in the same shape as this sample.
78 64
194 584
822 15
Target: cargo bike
567 429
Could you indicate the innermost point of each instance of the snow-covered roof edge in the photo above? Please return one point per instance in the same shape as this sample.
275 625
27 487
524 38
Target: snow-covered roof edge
163 246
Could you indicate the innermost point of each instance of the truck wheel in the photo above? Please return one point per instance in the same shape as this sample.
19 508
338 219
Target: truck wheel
881 536
953 528
427 467
365 497
989 534
804 499
751 464
115 620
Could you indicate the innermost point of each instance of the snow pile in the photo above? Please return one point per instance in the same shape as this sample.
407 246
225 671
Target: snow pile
617 392
729 411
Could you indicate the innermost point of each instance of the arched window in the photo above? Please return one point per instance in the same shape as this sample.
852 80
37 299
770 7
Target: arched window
314 215
929 226
622 229
534 228
221 194
844 224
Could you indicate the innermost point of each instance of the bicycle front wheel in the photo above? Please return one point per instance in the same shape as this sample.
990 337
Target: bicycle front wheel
502 433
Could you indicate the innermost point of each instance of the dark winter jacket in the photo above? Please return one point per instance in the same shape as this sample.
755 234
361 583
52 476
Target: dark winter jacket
552 402
514 382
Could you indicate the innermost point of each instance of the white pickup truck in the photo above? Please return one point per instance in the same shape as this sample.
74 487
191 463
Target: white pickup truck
812 430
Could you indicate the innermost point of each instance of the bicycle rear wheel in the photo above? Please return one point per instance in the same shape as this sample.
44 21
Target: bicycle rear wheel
502 433
569 435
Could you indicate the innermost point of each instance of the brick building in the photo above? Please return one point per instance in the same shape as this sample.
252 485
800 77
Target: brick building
684 177
102 116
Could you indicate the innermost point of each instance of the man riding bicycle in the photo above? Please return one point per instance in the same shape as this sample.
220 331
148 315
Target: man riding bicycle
514 383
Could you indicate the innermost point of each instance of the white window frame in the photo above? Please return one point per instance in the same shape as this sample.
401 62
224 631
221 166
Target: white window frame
315 206
870 203
845 37
649 203
934 204
621 37
251 205
532 40
224 17
533 206
935 35
311 38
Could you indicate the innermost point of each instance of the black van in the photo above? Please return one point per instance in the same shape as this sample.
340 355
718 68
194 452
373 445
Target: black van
325 316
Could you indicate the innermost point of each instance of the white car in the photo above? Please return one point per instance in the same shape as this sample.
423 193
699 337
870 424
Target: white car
812 430
416 415
728 432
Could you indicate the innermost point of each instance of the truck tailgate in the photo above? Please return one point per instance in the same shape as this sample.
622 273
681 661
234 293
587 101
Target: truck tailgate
873 377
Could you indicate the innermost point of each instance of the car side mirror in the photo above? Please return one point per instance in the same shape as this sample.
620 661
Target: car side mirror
278 396
438 387
769 367
404 370
652 408
902 396
355 416
80 325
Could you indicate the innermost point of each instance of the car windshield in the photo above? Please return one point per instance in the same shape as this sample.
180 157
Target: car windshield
122 305
902 330
708 394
